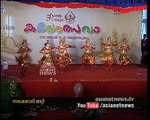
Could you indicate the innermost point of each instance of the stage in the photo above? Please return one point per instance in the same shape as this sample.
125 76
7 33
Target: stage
99 82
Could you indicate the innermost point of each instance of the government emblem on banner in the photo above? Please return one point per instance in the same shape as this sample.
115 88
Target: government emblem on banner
70 17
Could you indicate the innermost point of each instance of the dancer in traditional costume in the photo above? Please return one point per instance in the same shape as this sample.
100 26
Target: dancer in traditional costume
88 58
46 62
63 58
123 57
24 58
108 58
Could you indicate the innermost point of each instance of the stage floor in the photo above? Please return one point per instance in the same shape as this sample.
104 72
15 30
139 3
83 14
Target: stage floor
117 82
76 73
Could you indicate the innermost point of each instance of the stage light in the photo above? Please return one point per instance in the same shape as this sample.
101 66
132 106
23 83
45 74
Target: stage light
4 65
78 88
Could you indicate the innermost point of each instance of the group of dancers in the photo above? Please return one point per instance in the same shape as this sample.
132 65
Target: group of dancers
48 63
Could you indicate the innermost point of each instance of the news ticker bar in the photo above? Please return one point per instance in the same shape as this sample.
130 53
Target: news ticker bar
90 103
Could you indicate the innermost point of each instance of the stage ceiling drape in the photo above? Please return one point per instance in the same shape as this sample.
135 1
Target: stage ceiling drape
122 6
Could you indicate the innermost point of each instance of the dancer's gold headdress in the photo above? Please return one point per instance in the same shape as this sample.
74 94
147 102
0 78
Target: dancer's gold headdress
62 40
24 41
87 40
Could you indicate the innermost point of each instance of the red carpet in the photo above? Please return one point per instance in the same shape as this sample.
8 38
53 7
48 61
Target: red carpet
99 82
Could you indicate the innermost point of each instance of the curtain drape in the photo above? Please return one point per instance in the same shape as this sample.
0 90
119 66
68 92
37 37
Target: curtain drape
122 6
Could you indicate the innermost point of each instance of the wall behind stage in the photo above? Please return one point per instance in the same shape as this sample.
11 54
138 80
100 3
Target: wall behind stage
15 17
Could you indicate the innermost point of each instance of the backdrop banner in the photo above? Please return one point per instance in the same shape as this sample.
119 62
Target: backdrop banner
22 21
